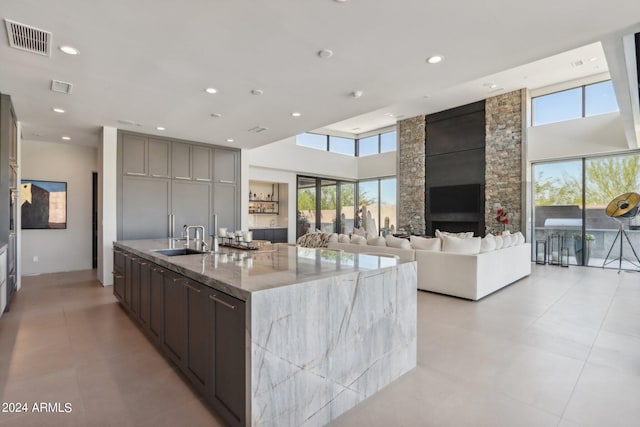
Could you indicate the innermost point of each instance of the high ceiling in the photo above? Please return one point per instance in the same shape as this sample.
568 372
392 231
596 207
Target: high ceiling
148 62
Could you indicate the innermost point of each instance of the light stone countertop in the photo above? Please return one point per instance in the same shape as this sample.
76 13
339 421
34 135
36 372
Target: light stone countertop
240 273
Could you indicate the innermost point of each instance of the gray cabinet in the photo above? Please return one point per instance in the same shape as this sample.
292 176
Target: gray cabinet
226 166
274 235
134 155
159 158
145 208
199 328
228 347
191 204
160 177
181 161
225 205
201 163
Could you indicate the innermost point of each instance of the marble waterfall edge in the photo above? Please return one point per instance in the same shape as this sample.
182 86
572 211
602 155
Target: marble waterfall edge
321 347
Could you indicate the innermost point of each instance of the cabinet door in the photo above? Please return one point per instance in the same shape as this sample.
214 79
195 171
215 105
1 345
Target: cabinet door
191 204
128 278
159 158
145 294
198 361
228 357
119 286
180 161
156 291
201 162
134 288
175 318
134 149
145 208
280 235
258 234
226 166
225 200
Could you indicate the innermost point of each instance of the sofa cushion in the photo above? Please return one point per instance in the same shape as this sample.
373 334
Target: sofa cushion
506 240
397 242
376 241
498 242
462 235
519 238
333 238
344 238
426 244
356 239
456 245
488 243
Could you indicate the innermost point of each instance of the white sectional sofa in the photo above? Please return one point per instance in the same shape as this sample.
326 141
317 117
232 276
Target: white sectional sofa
466 276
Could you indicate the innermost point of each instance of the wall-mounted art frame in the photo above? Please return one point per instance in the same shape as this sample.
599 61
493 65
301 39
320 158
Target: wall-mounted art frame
43 204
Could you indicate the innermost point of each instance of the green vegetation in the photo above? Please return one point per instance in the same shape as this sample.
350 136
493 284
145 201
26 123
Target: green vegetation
605 179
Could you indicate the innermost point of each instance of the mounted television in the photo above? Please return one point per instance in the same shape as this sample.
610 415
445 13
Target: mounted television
456 199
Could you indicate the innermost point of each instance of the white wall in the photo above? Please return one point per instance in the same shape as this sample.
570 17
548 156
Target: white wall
379 165
107 218
580 137
69 249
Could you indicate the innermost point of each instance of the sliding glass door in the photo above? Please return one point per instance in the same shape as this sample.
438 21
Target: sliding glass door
325 204
570 201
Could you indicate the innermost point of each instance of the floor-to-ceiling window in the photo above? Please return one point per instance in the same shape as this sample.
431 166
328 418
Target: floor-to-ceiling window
570 201
336 206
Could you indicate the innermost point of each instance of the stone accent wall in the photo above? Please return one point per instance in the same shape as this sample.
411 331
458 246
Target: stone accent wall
503 154
411 172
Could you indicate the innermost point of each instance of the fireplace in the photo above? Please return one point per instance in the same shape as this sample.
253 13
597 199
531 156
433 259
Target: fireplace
456 208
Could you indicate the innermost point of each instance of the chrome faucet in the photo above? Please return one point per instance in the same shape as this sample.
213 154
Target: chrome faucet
199 237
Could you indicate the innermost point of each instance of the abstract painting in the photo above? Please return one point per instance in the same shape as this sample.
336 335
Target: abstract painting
43 204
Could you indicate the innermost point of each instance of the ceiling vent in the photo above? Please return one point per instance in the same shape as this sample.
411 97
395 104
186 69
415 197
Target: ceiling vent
61 87
257 129
28 38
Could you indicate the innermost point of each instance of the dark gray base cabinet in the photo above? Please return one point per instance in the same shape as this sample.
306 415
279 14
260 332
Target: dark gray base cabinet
202 330
274 235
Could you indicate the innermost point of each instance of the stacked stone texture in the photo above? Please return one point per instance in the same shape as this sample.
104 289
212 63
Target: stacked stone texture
503 154
411 172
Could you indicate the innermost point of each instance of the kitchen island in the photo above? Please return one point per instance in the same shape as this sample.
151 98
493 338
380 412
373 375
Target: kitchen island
288 337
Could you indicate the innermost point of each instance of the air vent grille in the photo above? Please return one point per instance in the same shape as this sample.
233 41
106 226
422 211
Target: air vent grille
61 87
257 129
28 38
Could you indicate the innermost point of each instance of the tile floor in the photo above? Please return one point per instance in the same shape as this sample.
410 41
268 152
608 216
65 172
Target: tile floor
559 348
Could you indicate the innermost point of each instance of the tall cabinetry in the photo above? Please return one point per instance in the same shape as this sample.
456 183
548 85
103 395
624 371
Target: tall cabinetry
8 191
165 183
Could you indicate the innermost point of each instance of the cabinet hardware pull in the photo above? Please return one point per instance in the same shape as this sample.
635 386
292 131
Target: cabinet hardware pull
118 276
203 179
226 181
136 173
226 304
182 177
192 287
155 175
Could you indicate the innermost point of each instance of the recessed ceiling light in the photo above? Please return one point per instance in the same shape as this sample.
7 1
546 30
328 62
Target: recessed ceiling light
388 114
593 59
66 138
58 110
230 140
69 50
341 1
216 115
355 129
211 90
493 86
296 114
325 53
257 92
356 94
159 128
435 59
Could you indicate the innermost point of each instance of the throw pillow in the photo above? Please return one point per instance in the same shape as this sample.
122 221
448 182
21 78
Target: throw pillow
426 244
519 238
506 240
498 242
333 238
377 241
456 245
314 240
356 239
488 243
462 235
397 242
343 238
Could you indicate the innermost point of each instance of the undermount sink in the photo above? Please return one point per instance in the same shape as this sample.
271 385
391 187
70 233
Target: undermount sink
178 251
